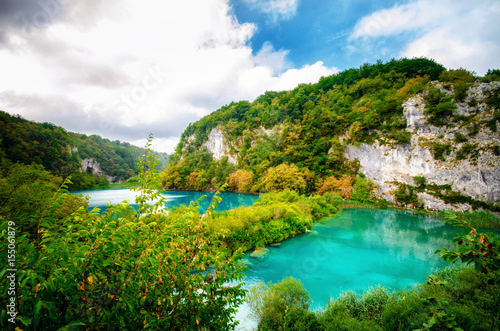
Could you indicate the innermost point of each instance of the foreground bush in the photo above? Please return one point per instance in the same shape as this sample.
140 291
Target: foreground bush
122 270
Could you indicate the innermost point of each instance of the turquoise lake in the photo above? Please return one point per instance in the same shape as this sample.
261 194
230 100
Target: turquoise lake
101 198
356 250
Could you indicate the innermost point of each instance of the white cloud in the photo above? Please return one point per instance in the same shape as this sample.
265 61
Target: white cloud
454 33
139 66
277 10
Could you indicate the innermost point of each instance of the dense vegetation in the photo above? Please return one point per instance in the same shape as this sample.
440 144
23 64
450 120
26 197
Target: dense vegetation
272 219
296 139
62 152
146 268
124 269
452 299
459 298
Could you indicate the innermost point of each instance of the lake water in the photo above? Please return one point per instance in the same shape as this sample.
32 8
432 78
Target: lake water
101 198
355 250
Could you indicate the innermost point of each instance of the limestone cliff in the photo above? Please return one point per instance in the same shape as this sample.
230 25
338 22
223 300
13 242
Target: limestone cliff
92 166
476 176
216 144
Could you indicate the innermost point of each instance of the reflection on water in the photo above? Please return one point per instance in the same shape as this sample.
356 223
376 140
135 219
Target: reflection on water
356 250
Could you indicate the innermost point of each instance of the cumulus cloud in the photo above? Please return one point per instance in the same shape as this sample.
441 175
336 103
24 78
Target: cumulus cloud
130 68
454 33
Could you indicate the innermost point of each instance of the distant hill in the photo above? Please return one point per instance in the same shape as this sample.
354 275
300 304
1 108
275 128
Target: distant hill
408 130
91 160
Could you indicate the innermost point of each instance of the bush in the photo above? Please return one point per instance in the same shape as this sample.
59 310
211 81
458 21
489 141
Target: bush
334 199
460 138
439 106
270 303
25 193
438 150
124 269
362 190
420 181
466 151
336 316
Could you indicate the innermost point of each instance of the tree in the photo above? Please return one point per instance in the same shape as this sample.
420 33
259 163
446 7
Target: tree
283 177
25 193
241 180
362 190
341 186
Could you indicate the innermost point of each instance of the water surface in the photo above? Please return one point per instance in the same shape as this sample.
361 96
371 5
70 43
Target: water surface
101 198
356 250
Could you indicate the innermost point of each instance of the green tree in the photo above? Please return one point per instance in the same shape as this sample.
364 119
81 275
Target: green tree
25 193
283 177
363 190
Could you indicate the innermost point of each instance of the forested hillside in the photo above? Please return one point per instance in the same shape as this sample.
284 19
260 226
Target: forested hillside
297 139
62 152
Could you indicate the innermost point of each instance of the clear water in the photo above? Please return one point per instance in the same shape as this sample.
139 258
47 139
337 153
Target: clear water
355 250
101 198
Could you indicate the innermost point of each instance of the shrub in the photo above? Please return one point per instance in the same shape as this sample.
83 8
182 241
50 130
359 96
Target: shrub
362 190
439 106
342 186
334 199
480 249
124 269
420 181
466 151
406 194
460 138
270 303
438 150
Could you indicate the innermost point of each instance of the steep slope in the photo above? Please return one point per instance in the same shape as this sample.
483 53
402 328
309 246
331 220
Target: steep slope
422 134
467 170
91 160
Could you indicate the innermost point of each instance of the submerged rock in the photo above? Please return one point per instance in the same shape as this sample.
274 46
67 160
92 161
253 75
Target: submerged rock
259 253
245 262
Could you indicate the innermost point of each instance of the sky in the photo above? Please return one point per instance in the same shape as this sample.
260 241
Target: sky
125 68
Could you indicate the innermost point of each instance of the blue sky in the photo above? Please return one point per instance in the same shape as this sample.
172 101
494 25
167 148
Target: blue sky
316 30
312 31
124 68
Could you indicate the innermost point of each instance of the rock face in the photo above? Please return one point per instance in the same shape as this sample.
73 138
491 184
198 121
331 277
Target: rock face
477 177
216 144
92 166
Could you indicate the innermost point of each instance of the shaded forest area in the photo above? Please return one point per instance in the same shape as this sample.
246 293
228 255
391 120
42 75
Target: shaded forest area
62 152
